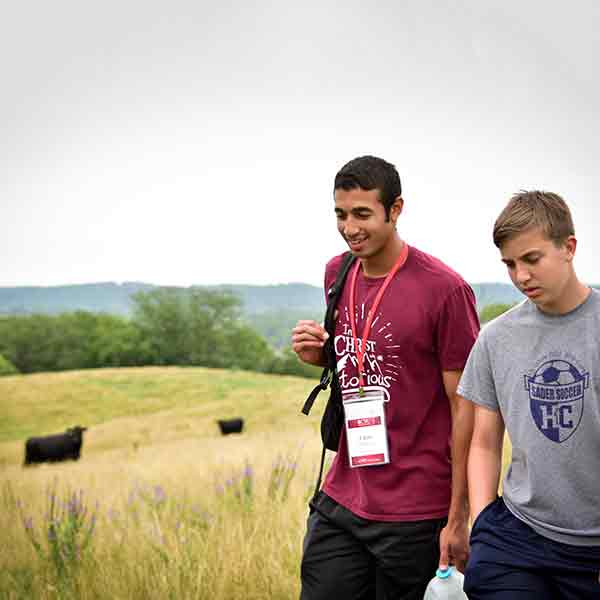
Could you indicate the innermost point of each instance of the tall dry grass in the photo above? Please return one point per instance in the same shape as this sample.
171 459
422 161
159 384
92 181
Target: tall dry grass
160 505
216 518
174 509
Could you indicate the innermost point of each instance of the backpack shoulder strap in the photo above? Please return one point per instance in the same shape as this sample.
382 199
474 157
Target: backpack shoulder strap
333 295
335 291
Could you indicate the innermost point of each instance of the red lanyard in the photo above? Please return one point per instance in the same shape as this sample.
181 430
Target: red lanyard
360 349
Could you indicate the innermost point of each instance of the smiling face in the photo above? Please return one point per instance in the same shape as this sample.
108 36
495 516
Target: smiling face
362 222
541 269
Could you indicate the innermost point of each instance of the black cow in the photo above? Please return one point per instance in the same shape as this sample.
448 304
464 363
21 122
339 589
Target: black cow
54 448
231 425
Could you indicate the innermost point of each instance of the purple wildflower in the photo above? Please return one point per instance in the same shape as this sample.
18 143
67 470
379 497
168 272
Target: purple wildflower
72 506
28 524
112 514
159 494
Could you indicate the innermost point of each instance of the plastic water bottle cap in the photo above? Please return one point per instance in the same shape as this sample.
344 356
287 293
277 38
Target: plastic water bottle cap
444 574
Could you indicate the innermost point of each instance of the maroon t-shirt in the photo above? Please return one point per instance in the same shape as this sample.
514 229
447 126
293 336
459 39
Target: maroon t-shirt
426 323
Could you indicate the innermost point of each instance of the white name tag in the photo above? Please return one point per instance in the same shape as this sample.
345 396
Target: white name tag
366 432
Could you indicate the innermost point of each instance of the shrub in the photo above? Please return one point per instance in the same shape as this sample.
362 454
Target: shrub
6 367
491 311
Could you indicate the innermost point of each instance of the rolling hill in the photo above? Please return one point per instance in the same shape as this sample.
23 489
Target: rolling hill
115 298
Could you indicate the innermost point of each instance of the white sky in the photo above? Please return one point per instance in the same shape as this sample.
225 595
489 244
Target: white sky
196 143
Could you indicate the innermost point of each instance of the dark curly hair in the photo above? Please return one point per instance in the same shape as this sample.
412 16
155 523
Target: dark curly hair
370 173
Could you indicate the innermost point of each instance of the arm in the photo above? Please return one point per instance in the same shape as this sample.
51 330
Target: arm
454 538
485 459
308 338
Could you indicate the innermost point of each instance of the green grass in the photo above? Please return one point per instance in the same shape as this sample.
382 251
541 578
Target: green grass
45 403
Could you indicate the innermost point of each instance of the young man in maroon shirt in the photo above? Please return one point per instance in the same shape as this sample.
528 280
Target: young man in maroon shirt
384 521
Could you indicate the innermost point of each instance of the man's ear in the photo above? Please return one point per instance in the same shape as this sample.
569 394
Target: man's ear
570 247
396 209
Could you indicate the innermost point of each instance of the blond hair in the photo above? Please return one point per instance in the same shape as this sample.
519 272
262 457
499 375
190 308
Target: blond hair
527 210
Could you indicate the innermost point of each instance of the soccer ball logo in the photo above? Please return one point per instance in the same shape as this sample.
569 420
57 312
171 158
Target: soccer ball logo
556 372
556 398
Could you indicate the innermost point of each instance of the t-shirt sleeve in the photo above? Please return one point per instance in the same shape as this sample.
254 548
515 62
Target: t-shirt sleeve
457 328
477 382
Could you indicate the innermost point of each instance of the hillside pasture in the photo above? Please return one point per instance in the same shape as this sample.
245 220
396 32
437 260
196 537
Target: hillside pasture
160 505
177 510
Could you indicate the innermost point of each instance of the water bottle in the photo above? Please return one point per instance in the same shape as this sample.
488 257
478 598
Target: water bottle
446 585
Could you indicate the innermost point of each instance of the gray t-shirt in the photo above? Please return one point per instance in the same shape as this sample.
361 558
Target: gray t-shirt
543 373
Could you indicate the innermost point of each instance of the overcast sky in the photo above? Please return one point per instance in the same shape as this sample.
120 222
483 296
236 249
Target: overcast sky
196 143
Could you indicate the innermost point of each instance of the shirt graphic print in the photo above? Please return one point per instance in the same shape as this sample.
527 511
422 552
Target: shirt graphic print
381 360
556 389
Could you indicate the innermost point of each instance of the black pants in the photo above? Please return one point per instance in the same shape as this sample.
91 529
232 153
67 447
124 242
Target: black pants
510 561
347 557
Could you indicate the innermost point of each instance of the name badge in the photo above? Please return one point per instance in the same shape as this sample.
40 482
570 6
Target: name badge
366 431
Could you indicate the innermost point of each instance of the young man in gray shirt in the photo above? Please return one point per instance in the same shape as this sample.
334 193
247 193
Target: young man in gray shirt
535 371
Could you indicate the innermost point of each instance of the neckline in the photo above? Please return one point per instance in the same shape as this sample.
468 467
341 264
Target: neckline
570 314
377 280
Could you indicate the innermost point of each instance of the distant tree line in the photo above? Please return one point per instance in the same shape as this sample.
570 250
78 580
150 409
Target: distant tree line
491 311
169 326
276 325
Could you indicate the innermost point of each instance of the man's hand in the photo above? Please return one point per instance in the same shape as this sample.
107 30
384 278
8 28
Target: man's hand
308 338
454 545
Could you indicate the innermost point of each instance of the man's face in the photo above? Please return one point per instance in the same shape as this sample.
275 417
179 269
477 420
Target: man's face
361 221
539 268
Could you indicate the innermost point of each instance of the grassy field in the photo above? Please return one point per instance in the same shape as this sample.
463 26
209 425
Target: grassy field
160 505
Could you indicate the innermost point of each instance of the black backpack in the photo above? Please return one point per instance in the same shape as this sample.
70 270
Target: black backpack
332 420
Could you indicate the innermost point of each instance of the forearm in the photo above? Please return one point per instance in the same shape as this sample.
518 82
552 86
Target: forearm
454 538
483 471
462 429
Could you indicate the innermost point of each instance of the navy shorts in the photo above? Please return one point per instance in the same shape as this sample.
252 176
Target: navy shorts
510 561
